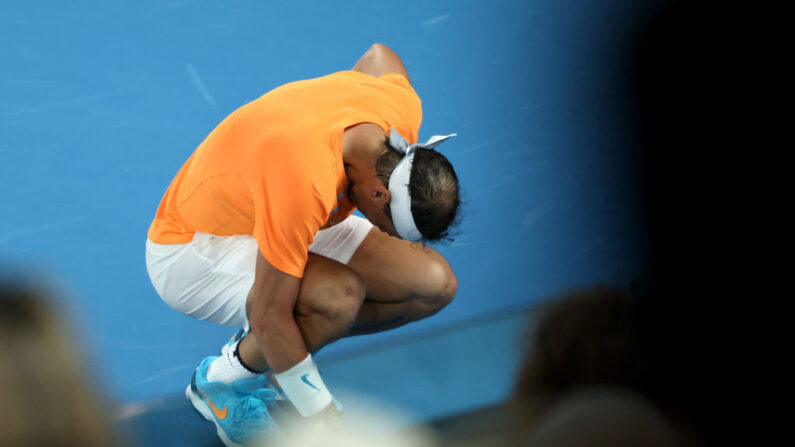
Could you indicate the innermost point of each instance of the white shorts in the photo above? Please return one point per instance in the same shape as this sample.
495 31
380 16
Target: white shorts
209 278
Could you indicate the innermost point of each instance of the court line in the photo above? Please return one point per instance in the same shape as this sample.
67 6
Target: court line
26 81
477 146
16 234
159 346
197 82
162 373
80 100
435 20
506 179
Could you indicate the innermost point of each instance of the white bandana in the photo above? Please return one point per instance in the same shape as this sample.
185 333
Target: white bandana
400 203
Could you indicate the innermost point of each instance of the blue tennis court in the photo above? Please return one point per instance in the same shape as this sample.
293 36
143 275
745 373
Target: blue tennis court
102 102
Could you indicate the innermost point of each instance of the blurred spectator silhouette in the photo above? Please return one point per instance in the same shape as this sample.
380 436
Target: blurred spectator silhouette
47 400
590 378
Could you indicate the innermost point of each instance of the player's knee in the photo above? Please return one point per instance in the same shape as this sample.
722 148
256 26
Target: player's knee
441 286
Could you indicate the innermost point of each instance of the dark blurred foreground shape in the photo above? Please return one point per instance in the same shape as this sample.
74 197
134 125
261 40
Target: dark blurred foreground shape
694 73
602 368
649 366
46 398
590 378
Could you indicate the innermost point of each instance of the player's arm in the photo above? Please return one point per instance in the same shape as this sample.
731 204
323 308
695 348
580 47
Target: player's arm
272 321
380 60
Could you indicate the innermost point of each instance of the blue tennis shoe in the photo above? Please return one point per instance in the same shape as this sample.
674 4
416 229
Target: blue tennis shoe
238 410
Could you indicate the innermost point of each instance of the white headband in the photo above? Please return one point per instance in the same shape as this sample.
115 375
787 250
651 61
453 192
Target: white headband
400 203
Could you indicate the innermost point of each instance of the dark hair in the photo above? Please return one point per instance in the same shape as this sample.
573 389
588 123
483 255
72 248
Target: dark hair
434 192
433 188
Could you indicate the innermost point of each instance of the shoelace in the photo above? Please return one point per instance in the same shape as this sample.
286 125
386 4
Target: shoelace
253 407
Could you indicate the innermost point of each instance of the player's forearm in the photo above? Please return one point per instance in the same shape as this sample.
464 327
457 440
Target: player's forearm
280 340
270 314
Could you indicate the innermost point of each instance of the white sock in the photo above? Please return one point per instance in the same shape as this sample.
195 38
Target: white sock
227 368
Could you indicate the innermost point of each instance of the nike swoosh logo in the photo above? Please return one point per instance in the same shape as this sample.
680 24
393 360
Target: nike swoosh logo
220 414
305 379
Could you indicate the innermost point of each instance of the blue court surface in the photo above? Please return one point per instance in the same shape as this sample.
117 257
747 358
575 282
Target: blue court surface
102 101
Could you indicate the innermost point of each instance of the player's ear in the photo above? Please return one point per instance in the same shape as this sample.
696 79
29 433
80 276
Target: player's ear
380 194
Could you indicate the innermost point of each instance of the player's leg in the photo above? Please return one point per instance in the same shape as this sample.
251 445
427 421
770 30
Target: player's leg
210 279
328 304
405 282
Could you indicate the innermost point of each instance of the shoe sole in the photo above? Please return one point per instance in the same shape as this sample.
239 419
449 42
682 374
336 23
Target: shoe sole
206 413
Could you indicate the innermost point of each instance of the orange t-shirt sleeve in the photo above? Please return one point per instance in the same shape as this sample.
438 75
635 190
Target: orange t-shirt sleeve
291 203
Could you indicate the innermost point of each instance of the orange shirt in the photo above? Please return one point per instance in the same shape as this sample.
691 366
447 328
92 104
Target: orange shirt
274 168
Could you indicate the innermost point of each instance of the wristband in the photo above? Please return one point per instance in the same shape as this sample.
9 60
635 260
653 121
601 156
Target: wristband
304 387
